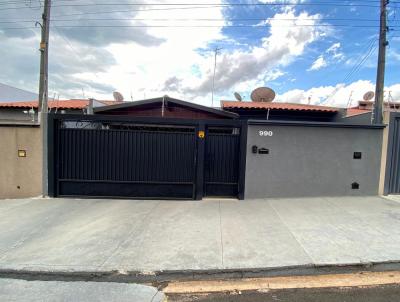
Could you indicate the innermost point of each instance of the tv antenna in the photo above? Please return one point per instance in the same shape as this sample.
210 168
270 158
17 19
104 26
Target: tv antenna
350 100
368 96
238 97
263 94
118 97
389 99
216 52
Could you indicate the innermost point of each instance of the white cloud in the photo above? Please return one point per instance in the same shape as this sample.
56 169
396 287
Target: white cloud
282 1
332 55
334 48
318 64
335 52
340 95
256 65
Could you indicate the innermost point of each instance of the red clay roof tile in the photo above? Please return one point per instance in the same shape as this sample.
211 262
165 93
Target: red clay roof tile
276 106
60 104
356 111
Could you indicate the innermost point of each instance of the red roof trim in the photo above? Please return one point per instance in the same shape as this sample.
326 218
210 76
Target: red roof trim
276 106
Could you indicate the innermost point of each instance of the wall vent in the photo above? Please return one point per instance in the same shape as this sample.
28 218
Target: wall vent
355 186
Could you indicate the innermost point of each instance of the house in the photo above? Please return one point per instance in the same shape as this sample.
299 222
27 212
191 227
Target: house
21 142
13 94
169 148
362 113
26 111
282 111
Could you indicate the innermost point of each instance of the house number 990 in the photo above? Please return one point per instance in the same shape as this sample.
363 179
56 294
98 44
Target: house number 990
266 133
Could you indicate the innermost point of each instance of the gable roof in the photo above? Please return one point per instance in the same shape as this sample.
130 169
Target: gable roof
11 94
276 106
167 99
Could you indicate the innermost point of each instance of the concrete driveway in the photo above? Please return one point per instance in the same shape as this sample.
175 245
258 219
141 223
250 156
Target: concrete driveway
69 235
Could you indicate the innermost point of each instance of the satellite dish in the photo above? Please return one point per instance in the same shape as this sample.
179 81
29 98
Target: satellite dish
118 97
263 94
238 96
369 96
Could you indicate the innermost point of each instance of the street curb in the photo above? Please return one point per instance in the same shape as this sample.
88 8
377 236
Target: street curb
159 277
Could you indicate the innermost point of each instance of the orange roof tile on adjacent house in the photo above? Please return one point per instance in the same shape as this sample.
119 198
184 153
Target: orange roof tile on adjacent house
53 104
108 103
61 104
275 106
356 111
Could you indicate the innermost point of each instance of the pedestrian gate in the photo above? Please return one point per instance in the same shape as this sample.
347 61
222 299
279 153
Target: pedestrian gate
118 158
222 161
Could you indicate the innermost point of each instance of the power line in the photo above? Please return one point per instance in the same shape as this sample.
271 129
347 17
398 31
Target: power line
200 5
204 26
356 67
192 19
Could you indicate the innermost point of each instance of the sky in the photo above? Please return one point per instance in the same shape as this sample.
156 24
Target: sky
308 51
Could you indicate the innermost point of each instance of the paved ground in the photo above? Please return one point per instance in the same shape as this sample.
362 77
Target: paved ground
36 291
102 235
387 293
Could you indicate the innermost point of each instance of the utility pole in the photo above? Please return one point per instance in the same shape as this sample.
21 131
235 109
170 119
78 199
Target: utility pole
216 51
380 77
43 90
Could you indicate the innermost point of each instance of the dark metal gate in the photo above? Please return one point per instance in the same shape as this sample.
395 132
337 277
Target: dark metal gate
221 172
138 161
392 179
104 156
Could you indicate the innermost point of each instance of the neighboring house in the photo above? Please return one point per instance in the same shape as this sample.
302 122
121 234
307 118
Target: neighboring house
363 112
13 94
21 143
27 111
282 111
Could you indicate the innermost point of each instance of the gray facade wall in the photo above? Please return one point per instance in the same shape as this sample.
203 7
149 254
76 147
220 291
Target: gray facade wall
312 161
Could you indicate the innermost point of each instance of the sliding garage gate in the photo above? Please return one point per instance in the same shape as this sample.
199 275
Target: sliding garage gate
392 177
114 158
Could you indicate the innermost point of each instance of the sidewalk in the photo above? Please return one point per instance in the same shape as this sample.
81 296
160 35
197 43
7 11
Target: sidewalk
50 291
69 236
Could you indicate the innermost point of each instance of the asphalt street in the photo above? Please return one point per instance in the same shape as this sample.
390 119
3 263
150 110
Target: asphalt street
387 293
